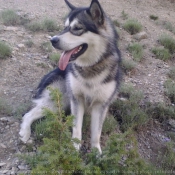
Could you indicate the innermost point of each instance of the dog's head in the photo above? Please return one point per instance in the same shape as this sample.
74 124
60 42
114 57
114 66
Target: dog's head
82 39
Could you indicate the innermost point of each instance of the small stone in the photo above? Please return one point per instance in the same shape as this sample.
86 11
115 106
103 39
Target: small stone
140 36
21 46
5 171
2 146
2 164
10 28
22 167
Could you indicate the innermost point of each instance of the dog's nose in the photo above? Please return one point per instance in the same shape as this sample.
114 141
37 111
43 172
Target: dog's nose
54 40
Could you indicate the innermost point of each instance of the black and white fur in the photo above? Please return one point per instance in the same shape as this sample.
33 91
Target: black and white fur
90 81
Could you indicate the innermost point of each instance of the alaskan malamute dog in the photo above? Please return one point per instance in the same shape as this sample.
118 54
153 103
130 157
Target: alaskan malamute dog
88 75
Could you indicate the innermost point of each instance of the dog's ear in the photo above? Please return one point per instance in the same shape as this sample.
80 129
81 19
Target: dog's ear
96 12
72 7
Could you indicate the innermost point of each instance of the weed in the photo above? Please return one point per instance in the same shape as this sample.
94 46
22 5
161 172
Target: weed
153 17
116 23
5 50
54 57
171 73
29 43
49 25
124 15
10 17
137 51
168 42
128 65
5 108
169 26
170 90
161 53
46 46
128 112
34 26
132 26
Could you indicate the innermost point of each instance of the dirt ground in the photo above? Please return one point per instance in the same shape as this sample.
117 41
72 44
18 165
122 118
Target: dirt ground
20 74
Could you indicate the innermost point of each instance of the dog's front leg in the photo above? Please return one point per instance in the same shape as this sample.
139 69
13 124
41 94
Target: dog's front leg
77 110
98 115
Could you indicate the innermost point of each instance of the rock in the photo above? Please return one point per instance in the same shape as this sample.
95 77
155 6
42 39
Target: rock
21 46
140 36
2 146
2 164
11 28
171 122
22 167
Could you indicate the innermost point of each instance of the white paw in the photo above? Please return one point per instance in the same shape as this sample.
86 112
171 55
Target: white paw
25 134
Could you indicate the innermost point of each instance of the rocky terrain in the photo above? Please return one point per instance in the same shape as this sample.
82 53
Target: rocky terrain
20 74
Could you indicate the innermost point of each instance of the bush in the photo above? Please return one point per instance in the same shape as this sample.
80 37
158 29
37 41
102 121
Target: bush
137 51
161 53
170 90
168 42
153 17
34 26
128 65
132 26
171 73
5 50
54 57
10 17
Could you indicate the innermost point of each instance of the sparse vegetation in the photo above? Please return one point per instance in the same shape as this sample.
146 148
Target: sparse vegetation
54 57
132 26
46 46
153 17
128 65
124 15
137 51
5 108
29 43
116 23
171 73
47 25
5 50
10 17
161 53
168 42
170 90
169 26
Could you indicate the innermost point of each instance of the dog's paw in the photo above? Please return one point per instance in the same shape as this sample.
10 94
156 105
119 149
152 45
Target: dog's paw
24 134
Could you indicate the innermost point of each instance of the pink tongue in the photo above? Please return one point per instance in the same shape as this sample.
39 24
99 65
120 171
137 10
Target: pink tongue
65 57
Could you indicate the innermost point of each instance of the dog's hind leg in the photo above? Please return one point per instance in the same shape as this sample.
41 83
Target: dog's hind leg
28 119
98 115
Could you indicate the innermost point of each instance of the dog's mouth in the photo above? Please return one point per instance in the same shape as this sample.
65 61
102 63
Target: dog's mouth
71 55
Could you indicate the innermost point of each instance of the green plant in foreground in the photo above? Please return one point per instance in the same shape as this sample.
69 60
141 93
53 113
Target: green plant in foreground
5 50
168 42
54 57
162 53
49 25
46 46
132 26
10 17
124 15
57 155
34 26
128 65
137 51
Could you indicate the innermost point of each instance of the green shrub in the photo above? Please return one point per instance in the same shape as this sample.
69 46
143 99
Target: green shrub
153 17
46 46
49 25
128 65
5 50
168 42
54 57
137 51
116 23
34 26
171 73
5 108
29 43
162 53
124 15
128 112
10 17
132 26
169 26
170 90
